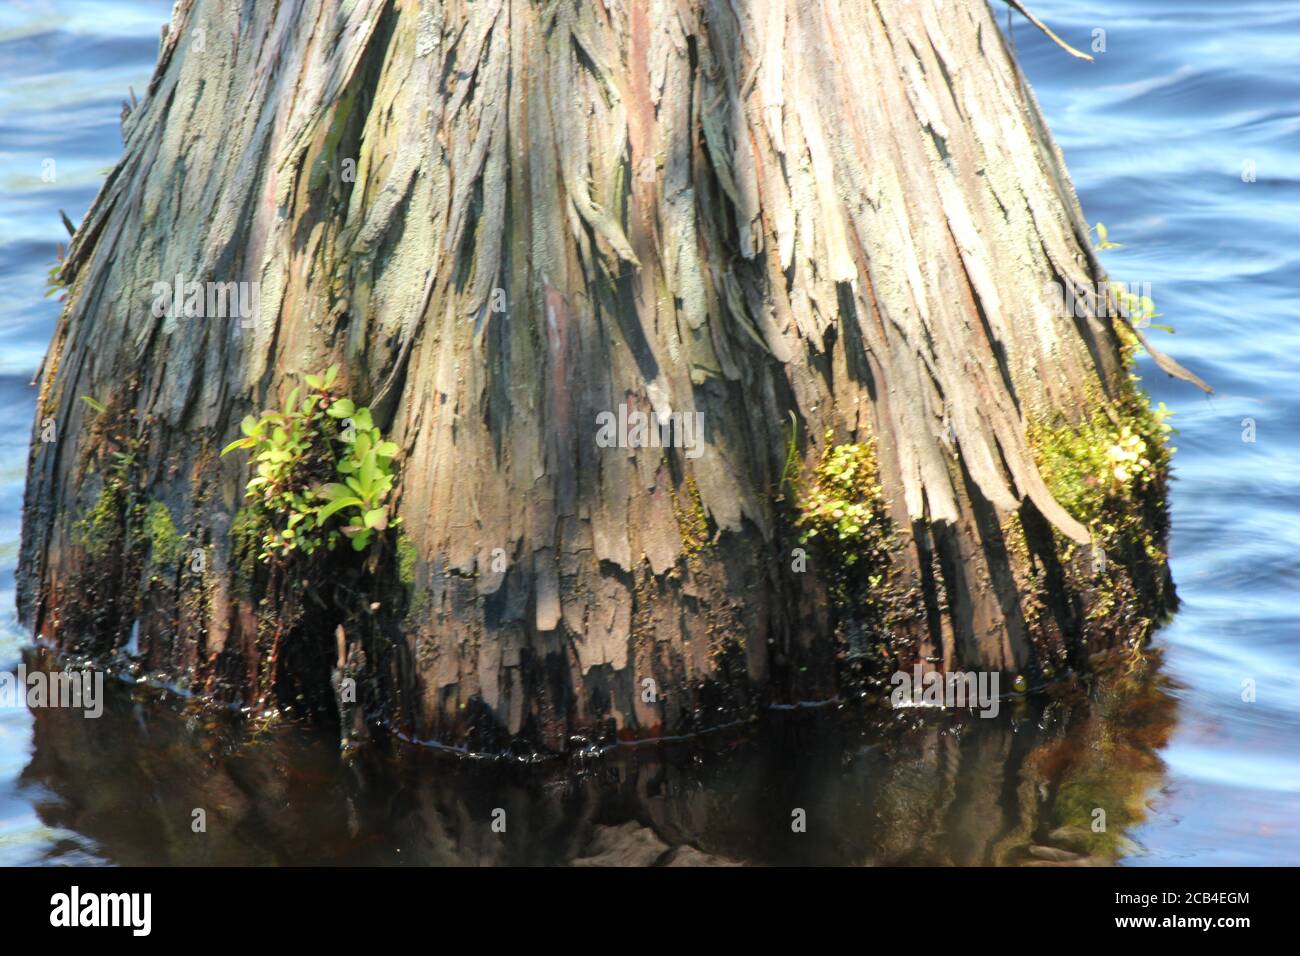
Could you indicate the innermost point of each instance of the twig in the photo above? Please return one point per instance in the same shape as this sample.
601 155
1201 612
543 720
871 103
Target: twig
1169 365
1020 7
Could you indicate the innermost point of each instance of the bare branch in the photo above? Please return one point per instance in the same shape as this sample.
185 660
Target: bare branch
1167 364
1016 4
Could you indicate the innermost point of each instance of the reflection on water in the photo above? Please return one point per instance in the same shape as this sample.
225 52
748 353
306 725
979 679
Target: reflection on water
1022 788
1189 96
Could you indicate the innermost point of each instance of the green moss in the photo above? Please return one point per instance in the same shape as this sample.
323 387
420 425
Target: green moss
692 521
1111 472
417 597
165 543
1075 463
246 531
103 526
842 511
1107 469
102 529
406 560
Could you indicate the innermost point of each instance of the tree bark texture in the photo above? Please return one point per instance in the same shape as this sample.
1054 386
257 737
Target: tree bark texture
829 222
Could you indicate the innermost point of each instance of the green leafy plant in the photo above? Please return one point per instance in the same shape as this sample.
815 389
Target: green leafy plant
318 436
166 543
367 469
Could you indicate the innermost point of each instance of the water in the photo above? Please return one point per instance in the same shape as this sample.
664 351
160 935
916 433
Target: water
1155 133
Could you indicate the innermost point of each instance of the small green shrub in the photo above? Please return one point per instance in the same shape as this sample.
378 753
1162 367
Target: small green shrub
317 437
1086 465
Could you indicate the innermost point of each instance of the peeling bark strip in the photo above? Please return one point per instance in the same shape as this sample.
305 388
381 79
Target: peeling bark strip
507 217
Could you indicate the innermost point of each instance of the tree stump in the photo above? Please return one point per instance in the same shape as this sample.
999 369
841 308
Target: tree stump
828 233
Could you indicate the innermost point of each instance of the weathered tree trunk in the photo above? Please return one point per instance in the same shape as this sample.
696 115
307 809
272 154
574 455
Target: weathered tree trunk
830 223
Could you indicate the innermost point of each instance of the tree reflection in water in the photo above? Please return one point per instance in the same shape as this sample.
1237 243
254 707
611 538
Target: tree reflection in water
1020 789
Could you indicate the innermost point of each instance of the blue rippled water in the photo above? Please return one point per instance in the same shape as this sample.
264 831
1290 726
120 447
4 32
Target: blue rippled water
1157 133
65 70
1187 95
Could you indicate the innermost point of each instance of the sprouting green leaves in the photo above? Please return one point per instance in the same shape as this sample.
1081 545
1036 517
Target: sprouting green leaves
54 281
338 504
366 463
322 382
98 407
1138 309
295 451
1103 240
